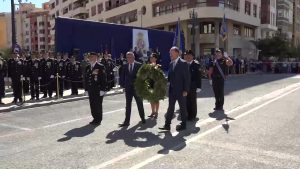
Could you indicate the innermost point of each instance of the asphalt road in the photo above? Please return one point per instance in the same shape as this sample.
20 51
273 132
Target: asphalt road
260 129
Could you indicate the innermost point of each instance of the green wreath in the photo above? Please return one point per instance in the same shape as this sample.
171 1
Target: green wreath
151 83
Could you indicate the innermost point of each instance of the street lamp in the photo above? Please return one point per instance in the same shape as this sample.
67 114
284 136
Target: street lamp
193 26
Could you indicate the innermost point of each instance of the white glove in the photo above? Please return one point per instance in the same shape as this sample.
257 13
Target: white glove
27 78
102 93
210 82
225 54
39 78
52 76
63 77
9 79
22 78
198 90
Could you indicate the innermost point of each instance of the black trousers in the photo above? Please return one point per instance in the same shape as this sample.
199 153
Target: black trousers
182 105
49 86
17 89
130 93
96 105
34 88
218 87
74 87
26 86
191 104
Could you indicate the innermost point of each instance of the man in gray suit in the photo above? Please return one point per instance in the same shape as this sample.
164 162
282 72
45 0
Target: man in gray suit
179 79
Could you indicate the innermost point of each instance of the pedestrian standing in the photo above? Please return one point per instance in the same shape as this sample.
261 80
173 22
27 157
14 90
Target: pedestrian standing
95 83
48 75
195 85
127 81
179 79
75 75
217 76
35 74
3 72
15 72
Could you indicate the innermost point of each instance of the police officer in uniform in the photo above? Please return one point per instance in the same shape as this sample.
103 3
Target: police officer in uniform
84 63
61 72
3 72
67 64
195 85
25 60
35 73
48 75
109 67
75 75
15 72
95 76
121 61
217 76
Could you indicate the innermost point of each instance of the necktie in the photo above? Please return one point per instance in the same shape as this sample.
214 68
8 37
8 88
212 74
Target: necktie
130 68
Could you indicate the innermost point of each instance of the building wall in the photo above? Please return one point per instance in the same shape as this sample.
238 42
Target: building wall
3 32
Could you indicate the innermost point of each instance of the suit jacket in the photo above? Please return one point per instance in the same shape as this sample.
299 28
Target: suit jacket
195 75
179 78
127 78
95 79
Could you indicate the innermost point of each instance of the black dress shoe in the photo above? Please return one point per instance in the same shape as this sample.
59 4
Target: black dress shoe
143 121
44 97
165 127
95 123
1 103
124 125
180 127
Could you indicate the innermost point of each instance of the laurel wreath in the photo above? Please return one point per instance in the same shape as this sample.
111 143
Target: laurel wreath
145 75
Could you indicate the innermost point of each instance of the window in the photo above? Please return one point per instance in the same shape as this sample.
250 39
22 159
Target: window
57 13
249 32
255 11
70 7
100 8
41 23
42 46
65 10
93 11
207 28
42 31
57 2
247 8
42 39
236 29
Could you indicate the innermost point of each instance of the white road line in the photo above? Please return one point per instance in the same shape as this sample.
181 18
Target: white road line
158 156
201 123
15 127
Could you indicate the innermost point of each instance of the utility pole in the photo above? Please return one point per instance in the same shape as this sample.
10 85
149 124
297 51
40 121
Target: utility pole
13 24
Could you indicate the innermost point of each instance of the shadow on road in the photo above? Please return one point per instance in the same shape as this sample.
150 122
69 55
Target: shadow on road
221 115
137 137
78 132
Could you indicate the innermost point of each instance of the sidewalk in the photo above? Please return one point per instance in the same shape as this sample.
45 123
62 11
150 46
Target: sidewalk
47 101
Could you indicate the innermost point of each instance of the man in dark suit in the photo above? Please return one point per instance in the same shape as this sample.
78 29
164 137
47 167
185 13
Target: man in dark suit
179 79
95 82
127 81
195 85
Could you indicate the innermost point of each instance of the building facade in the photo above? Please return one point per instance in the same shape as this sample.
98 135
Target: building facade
296 23
3 32
285 18
243 19
268 18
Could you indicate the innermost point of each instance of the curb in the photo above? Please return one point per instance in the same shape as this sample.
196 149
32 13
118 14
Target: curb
48 102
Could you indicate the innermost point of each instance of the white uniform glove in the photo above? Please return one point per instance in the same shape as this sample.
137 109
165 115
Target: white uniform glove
27 78
225 54
102 93
198 90
39 78
52 76
210 82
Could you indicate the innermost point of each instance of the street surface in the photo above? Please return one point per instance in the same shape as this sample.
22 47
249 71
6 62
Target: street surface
260 129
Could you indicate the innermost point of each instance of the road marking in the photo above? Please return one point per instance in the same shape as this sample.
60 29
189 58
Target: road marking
158 156
15 127
74 120
201 123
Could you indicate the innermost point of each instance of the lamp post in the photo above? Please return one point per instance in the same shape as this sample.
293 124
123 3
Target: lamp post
13 22
193 26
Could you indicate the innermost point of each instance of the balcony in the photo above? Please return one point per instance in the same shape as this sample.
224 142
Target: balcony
207 38
80 11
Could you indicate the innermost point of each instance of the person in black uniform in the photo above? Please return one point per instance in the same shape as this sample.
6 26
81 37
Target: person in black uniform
95 76
217 76
195 85
84 63
15 72
121 61
35 73
25 60
61 71
3 72
48 75
75 75
67 63
109 67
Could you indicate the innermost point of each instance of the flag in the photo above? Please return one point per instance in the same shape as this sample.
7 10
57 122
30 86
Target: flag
223 29
178 37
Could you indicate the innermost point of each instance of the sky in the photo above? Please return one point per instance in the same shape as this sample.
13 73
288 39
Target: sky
5 4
